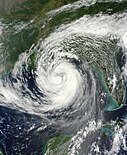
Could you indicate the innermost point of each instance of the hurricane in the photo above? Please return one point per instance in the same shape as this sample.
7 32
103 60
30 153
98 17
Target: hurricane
63 76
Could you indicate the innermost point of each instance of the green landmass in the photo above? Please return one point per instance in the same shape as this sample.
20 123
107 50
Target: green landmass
58 145
111 103
1 153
